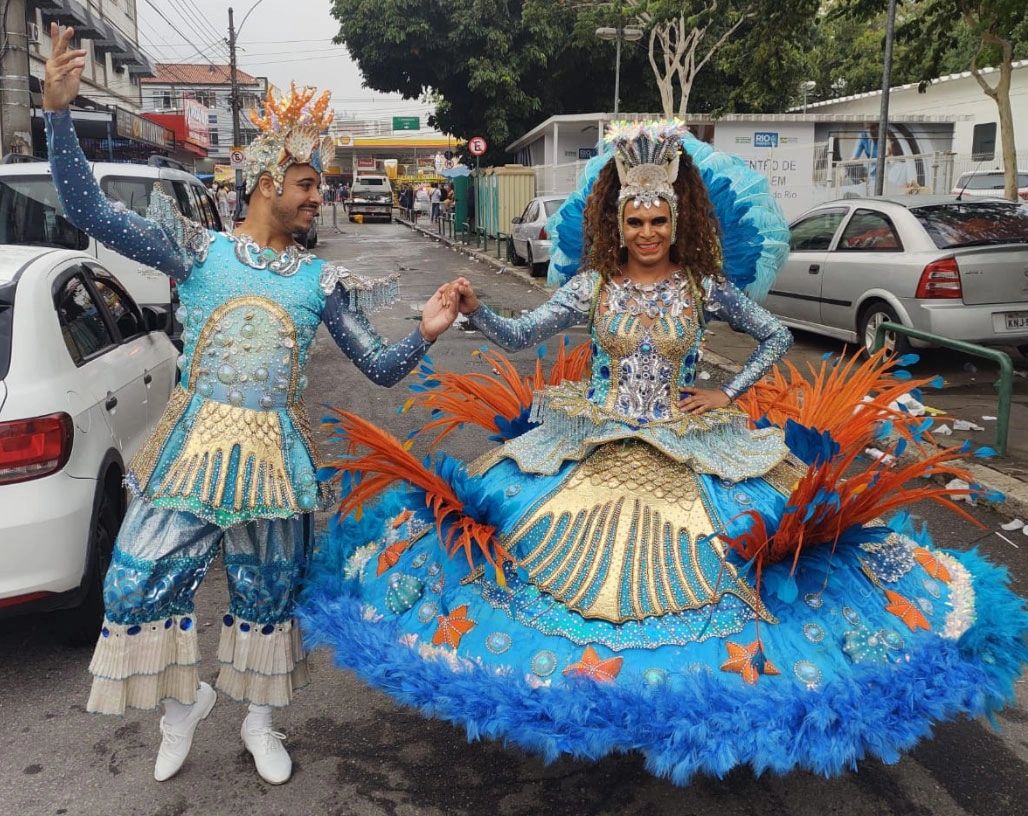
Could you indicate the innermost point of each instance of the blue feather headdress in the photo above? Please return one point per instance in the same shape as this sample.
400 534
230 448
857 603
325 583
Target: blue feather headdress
754 233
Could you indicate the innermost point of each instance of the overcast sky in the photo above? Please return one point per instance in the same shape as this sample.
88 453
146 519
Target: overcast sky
275 42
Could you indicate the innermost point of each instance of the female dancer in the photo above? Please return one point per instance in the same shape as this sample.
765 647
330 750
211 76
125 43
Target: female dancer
626 585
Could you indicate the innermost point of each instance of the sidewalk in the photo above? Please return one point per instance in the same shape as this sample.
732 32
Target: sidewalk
967 393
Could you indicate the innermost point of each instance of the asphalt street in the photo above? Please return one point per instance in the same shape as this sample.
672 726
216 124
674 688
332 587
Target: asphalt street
356 752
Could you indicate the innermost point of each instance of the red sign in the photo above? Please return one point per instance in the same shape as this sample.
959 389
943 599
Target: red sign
197 125
477 146
366 163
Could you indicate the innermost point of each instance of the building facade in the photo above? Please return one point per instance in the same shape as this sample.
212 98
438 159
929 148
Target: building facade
210 85
976 137
106 112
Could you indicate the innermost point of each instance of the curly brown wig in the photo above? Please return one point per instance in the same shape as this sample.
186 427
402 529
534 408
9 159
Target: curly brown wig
697 247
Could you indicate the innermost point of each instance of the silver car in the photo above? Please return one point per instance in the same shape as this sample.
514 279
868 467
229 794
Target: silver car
958 269
529 242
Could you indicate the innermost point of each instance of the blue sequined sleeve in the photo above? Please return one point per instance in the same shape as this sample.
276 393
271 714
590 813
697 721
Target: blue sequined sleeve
569 306
381 362
144 240
724 301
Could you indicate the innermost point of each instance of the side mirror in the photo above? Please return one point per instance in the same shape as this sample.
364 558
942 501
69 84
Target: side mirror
517 220
155 318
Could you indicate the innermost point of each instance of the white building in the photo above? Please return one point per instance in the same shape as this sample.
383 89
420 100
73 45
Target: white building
210 85
107 31
807 158
976 134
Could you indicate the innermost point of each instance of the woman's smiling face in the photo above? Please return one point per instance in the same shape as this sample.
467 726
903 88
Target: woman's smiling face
647 231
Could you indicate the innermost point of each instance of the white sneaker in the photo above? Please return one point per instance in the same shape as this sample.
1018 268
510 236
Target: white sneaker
177 738
269 754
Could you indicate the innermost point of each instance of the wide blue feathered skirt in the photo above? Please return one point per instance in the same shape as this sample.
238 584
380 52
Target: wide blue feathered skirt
625 624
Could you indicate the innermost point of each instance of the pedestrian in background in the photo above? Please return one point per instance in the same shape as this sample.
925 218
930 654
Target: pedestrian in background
436 199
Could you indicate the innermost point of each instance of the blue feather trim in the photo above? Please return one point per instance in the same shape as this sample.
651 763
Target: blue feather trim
708 725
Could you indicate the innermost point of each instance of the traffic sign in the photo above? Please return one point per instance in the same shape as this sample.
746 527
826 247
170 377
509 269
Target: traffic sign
406 123
237 158
477 146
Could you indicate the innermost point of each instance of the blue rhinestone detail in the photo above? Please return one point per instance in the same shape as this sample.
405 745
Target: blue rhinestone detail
105 632
168 623
133 630
185 624
267 629
244 627
428 611
228 620
807 673
813 632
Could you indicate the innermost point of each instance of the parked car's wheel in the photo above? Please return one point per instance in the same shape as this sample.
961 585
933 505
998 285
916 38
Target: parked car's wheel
512 253
536 270
79 626
871 317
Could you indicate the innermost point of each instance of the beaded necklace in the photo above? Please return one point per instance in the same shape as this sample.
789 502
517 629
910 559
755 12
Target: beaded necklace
667 297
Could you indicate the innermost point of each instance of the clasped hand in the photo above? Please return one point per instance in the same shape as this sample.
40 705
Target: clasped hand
449 300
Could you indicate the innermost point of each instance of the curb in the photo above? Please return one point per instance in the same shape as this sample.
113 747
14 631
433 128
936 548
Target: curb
1015 491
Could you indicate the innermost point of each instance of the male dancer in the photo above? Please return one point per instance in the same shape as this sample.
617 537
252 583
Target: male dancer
232 462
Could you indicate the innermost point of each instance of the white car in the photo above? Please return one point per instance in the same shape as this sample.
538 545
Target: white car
30 213
85 374
988 184
529 242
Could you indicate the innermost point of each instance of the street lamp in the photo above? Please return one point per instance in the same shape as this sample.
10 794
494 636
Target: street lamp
618 34
806 87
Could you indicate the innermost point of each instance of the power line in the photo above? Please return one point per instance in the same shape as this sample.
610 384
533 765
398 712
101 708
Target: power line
164 17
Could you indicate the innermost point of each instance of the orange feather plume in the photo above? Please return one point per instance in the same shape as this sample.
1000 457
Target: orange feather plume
478 399
833 399
388 461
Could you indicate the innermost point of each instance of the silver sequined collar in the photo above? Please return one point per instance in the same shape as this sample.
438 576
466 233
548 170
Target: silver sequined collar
668 297
285 263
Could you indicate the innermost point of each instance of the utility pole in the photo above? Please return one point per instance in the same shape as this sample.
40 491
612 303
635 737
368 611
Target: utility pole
234 103
15 102
883 118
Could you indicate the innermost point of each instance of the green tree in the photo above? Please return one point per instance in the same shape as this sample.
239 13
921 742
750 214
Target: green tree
957 35
493 67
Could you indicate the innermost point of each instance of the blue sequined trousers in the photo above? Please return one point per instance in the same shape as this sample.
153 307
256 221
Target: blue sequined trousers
161 556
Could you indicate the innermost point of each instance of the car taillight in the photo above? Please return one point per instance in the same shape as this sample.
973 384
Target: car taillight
940 279
1023 195
33 448
543 236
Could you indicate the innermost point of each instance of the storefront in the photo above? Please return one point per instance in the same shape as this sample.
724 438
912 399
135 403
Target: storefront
191 131
111 134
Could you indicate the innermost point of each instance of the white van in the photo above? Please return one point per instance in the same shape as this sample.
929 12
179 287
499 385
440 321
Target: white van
31 214
372 197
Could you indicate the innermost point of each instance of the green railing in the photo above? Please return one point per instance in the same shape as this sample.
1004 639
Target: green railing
1004 385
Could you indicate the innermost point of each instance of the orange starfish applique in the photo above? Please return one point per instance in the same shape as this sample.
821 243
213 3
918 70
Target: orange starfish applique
749 661
453 627
400 519
906 611
391 555
932 565
591 666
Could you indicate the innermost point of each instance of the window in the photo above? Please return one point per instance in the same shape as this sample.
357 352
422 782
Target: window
122 308
206 208
31 213
528 216
814 234
167 100
215 139
974 223
134 193
553 206
186 202
988 181
6 326
82 324
212 118
870 231
983 142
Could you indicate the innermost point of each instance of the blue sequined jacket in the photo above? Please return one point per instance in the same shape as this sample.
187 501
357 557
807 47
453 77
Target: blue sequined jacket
234 443
640 362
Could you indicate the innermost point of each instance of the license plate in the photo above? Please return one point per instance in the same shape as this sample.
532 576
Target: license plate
1015 321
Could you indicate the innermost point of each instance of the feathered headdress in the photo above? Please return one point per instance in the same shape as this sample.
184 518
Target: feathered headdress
646 155
291 133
